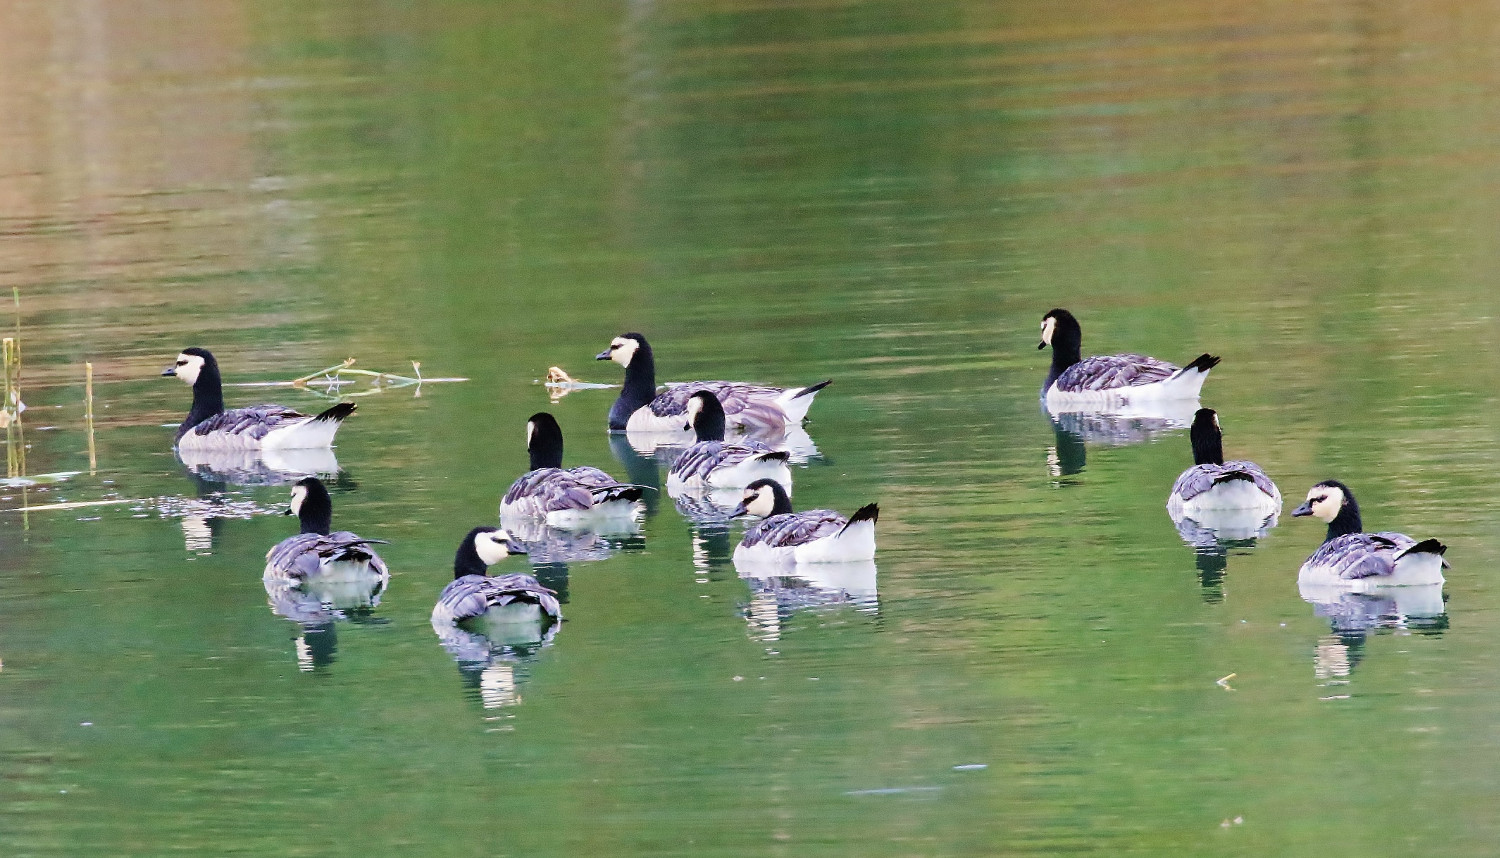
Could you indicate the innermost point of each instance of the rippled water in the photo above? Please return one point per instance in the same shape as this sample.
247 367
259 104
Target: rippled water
885 195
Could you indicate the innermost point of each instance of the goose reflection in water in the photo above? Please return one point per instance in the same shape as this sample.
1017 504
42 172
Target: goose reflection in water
1212 545
1126 424
713 550
317 605
778 591
258 467
664 447
495 658
546 544
1353 617
213 472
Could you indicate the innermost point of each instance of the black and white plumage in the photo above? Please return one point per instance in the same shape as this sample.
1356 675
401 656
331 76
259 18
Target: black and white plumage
750 407
814 536
711 463
1359 561
318 552
209 426
513 598
1110 381
564 497
1234 498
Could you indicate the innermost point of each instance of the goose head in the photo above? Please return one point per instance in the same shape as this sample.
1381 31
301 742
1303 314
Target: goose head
763 499
622 349
484 547
705 414
1059 330
544 441
1207 438
1325 501
312 505
1332 501
190 365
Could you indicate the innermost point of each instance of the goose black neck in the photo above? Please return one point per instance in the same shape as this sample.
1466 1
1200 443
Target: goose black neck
466 561
1347 521
316 512
709 424
781 503
640 384
208 397
546 444
1067 344
1208 441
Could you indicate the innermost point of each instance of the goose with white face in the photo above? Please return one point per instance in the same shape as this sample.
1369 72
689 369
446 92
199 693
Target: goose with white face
187 368
621 350
1324 502
492 546
299 495
759 502
694 408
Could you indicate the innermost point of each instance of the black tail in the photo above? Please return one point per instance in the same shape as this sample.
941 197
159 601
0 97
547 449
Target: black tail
808 391
619 491
356 550
1203 363
869 512
776 456
1426 546
1232 476
337 413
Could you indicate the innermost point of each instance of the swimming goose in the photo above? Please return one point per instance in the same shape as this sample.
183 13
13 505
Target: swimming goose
317 552
564 497
1362 561
747 406
1108 381
259 427
513 598
1213 484
713 464
814 536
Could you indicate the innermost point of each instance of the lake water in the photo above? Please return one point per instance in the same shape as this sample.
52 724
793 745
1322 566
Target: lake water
883 194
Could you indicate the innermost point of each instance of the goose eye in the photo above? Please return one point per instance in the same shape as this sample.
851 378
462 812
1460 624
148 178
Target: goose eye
182 363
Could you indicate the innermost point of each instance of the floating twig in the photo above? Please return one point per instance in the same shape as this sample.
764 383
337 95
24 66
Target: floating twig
1223 681
334 377
88 412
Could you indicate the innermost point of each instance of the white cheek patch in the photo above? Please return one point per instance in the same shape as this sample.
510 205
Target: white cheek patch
491 546
763 503
299 494
1049 325
188 368
694 408
623 351
1332 501
530 431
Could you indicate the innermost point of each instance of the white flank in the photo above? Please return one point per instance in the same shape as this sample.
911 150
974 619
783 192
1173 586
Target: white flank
1412 570
857 542
1230 495
795 407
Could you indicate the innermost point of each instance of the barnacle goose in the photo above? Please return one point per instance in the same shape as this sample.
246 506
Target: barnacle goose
747 406
513 598
565 497
1361 561
1109 381
258 427
1226 496
318 553
713 464
814 536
